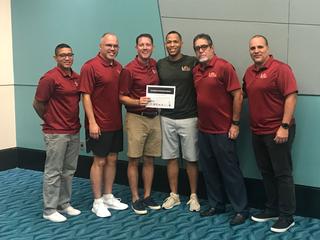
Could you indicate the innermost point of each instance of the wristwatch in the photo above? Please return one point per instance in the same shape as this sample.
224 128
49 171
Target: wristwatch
237 123
285 125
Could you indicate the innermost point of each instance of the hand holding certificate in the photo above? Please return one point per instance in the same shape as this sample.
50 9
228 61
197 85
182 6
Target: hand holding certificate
161 96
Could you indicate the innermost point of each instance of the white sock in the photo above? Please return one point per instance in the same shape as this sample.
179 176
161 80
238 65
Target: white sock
98 200
108 195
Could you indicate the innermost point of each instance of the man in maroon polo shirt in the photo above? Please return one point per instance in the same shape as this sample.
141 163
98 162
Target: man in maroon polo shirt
143 124
99 84
57 104
219 100
272 92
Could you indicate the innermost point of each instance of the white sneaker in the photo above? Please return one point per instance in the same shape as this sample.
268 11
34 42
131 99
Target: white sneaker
100 209
55 217
115 203
194 203
171 201
71 211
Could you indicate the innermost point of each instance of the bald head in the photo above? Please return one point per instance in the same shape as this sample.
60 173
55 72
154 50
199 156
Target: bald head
109 46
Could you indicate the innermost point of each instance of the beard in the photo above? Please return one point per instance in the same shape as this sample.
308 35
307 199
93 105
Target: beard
203 59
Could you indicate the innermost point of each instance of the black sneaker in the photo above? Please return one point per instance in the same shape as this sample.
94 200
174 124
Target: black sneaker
264 216
138 207
282 225
210 212
150 203
238 219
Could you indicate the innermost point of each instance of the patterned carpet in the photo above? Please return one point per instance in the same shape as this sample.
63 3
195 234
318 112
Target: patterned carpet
21 217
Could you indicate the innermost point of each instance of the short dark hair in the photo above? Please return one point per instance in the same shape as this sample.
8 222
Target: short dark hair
174 32
260 36
59 46
203 36
147 35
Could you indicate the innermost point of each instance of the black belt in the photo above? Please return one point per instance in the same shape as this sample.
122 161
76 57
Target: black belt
147 114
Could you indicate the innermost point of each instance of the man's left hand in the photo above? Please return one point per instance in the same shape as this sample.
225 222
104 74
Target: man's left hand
281 135
233 131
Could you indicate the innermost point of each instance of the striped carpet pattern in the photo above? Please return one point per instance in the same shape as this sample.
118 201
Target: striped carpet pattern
21 217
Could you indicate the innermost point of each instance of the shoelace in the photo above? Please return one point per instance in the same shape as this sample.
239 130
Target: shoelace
192 200
170 197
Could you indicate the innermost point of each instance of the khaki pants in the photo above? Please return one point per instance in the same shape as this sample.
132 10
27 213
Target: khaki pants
61 163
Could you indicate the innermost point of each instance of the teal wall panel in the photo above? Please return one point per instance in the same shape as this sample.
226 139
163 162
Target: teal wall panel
38 26
29 134
306 149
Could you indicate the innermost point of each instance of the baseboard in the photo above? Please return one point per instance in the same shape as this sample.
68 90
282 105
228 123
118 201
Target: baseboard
308 198
8 158
31 159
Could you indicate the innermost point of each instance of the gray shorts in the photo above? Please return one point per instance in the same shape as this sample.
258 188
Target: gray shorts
176 132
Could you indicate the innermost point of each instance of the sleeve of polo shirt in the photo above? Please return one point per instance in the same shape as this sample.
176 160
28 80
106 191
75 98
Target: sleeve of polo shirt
286 80
87 79
125 82
231 79
45 89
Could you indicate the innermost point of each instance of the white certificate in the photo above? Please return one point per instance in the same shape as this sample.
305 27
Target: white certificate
161 96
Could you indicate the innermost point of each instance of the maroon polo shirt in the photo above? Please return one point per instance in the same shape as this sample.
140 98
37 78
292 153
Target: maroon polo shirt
61 93
134 79
267 89
214 84
100 79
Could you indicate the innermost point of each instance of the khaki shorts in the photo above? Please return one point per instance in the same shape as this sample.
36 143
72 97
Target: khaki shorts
144 136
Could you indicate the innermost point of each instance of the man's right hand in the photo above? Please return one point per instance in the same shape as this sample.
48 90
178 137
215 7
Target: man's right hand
143 101
94 131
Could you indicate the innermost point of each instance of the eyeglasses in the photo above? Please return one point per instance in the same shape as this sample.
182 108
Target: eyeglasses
70 55
202 47
115 46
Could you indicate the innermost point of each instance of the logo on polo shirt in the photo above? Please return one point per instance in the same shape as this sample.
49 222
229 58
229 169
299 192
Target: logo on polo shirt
185 68
212 74
263 75
118 71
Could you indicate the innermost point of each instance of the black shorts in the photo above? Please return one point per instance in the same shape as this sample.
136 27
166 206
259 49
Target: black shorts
108 142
